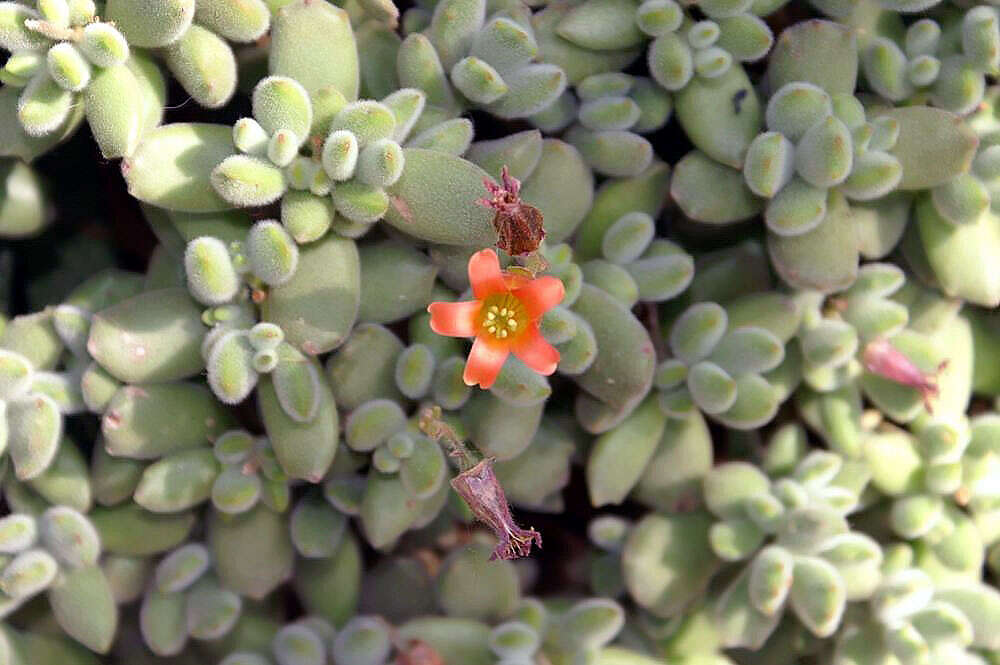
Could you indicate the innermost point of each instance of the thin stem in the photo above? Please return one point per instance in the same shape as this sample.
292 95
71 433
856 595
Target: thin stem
436 428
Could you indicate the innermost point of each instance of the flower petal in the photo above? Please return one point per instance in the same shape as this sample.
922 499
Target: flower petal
484 363
540 295
485 274
536 353
455 319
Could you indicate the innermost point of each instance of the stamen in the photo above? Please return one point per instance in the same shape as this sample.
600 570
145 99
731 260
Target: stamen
503 320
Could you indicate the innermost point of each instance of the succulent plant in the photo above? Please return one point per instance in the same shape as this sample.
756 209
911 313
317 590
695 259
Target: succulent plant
184 600
58 552
951 72
684 47
718 370
65 58
354 305
815 562
469 54
354 155
614 109
810 148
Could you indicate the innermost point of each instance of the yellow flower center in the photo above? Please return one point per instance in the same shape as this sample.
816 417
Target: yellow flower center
503 316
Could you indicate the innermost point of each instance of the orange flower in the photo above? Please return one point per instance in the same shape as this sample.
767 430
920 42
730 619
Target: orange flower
503 318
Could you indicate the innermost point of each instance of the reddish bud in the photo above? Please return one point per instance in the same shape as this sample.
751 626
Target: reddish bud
418 652
481 490
882 358
518 225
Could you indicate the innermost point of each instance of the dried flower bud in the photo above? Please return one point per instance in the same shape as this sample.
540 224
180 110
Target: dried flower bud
882 358
518 225
481 490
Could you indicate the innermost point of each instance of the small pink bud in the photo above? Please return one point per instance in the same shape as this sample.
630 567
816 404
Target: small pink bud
417 652
481 490
882 358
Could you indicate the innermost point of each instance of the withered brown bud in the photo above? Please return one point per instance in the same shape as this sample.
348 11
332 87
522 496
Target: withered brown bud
481 490
518 225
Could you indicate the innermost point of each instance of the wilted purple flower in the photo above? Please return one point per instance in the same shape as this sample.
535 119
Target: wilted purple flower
484 495
882 358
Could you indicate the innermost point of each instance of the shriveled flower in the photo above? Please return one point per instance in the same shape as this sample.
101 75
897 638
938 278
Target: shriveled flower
503 318
481 490
882 358
518 225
